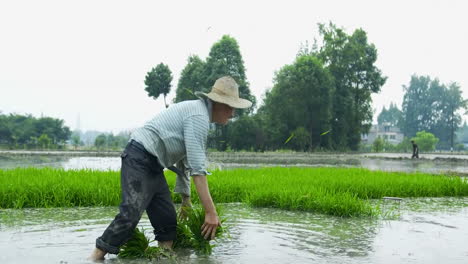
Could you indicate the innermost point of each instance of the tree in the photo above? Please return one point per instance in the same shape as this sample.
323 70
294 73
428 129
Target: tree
404 146
100 141
434 107
378 144
300 140
192 79
391 116
44 141
5 130
300 97
24 130
351 61
54 128
417 105
225 59
76 140
246 133
450 119
462 133
426 141
158 81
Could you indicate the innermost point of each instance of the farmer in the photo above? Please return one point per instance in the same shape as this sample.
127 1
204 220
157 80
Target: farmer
415 150
176 135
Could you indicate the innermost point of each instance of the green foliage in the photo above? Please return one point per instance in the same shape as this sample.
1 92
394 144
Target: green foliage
158 81
391 116
378 144
404 146
426 141
25 130
460 147
111 142
351 61
225 59
320 190
76 141
434 107
192 79
100 141
300 97
44 141
301 140
246 133
462 133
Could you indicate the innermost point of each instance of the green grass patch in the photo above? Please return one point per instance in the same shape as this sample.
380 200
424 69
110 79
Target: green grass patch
333 191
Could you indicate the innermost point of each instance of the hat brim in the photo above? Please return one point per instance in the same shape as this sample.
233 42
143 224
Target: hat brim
238 103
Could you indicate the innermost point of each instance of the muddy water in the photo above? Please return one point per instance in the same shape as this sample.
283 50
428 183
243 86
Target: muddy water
418 231
455 163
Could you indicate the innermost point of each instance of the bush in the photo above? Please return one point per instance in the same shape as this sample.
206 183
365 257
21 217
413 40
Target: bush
426 141
378 144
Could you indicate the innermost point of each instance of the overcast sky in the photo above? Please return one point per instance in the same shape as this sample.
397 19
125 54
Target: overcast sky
88 59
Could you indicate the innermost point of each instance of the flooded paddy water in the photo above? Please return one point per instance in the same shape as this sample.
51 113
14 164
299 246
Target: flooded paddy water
423 230
419 231
430 163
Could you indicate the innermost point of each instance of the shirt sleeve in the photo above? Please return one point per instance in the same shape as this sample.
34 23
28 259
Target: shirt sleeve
195 137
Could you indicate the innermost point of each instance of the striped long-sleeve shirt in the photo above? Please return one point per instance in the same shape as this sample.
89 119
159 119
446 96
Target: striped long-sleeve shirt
179 134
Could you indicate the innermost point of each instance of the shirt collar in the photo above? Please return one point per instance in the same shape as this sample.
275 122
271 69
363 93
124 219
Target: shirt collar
209 107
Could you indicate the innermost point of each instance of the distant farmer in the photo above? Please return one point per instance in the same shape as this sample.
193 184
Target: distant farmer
415 150
176 135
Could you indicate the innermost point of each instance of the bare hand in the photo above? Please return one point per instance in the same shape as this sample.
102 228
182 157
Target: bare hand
209 227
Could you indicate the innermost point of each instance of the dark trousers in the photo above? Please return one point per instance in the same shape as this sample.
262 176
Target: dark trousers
144 187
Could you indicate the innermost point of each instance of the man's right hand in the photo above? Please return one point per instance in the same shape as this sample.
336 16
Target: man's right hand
211 217
210 226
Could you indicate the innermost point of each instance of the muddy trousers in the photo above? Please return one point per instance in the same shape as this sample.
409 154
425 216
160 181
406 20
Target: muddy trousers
144 187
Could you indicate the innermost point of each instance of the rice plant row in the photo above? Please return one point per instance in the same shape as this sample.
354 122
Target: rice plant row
333 191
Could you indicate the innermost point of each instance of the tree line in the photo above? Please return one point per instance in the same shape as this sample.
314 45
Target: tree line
28 132
430 106
322 101
95 140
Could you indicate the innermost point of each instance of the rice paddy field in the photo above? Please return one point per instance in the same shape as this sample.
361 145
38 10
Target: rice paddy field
331 191
325 215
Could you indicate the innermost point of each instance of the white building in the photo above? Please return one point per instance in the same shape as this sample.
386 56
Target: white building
387 132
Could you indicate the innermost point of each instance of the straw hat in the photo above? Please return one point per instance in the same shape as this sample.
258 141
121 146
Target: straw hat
226 91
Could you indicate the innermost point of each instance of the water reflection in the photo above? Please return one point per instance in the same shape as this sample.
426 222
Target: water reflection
425 231
435 165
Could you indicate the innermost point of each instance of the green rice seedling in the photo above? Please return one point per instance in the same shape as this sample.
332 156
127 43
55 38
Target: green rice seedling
138 247
189 231
334 191
50 187
188 237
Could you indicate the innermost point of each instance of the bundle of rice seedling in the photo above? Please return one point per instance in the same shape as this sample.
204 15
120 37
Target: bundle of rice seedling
189 231
138 247
188 236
